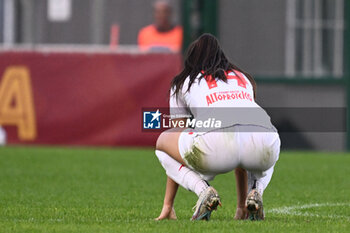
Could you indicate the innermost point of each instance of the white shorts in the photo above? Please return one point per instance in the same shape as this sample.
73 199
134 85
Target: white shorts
248 146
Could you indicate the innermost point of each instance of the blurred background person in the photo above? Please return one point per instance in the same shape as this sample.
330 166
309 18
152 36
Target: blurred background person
162 35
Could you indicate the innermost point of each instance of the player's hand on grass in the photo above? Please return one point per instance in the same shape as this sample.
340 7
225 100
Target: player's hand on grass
168 212
241 213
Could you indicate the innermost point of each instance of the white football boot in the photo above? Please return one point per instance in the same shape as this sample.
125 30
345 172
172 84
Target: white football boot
207 202
254 205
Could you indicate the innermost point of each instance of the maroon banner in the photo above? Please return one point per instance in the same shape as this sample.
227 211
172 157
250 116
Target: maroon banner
82 99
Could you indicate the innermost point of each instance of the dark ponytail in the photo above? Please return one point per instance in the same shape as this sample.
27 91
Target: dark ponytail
205 56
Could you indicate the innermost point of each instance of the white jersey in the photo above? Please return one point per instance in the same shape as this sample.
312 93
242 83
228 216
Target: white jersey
232 102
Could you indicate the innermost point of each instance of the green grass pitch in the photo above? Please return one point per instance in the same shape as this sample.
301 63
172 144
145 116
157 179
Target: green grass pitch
121 190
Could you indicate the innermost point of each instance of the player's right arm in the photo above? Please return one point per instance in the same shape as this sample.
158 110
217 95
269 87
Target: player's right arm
178 108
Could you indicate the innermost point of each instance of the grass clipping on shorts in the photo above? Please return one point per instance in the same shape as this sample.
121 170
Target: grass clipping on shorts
195 158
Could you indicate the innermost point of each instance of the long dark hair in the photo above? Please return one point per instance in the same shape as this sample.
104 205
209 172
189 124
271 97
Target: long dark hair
205 56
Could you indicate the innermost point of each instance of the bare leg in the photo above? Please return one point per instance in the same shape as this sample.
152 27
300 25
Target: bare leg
168 211
168 142
242 189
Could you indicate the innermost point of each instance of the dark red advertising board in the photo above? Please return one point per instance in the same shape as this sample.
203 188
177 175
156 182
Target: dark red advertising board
82 98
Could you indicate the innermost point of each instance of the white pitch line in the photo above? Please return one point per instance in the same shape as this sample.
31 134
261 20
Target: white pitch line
294 210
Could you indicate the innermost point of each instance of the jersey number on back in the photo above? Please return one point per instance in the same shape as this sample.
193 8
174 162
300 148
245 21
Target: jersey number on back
237 75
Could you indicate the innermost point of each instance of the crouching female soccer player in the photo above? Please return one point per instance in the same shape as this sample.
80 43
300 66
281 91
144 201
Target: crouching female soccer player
191 157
